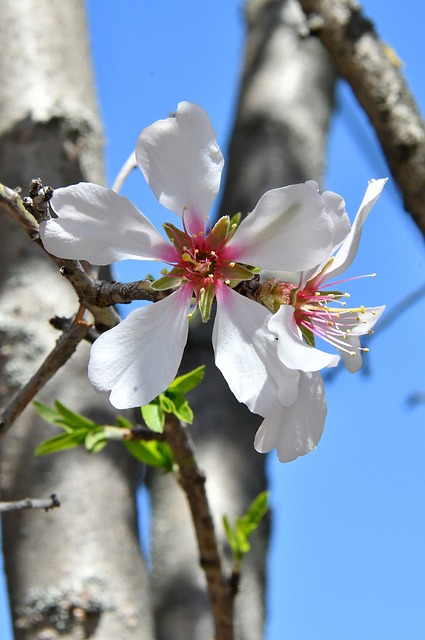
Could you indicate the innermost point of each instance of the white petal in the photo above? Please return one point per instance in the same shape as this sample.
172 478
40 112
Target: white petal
335 207
245 353
298 428
291 348
182 163
140 357
289 230
348 249
98 225
364 323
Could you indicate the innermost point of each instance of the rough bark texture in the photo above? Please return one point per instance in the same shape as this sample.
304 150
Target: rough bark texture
279 138
362 58
74 572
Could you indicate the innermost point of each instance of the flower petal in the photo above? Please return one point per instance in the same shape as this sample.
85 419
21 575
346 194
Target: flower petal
298 428
289 230
98 225
182 163
291 348
140 357
245 353
335 207
359 324
348 249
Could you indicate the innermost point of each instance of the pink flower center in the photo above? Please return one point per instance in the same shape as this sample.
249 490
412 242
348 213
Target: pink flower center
318 313
199 261
325 315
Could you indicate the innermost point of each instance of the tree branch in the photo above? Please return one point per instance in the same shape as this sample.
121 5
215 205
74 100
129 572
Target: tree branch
63 350
97 296
192 480
379 86
28 503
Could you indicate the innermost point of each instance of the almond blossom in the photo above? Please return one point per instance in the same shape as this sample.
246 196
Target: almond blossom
307 310
291 228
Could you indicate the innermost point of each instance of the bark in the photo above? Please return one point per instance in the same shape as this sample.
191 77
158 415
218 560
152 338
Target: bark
374 74
279 138
76 571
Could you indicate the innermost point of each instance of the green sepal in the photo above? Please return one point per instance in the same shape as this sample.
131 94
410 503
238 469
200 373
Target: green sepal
236 272
176 236
235 221
205 299
308 336
153 453
219 233
166 282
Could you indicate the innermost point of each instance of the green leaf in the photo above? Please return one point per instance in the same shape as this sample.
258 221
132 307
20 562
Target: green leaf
166 403
123 422
153 415
181 408
95 440
49 414
238 536
73 419
61 442
188 381
250 521
153 453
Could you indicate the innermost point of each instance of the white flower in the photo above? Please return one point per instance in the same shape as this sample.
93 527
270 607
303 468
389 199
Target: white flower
291 228
309 310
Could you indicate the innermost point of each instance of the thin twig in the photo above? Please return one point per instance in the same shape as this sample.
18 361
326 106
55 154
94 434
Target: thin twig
192 481
63 350
374 74
124 172
29 503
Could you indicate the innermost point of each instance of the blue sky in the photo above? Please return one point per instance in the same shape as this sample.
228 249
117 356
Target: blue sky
347 557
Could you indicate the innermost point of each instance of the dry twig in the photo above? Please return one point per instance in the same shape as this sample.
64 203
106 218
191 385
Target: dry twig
29 503
62 351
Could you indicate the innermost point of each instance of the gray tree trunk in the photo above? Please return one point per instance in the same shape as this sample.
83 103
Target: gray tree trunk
75 572
279 138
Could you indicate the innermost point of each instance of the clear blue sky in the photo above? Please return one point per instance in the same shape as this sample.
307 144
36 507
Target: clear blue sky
347 560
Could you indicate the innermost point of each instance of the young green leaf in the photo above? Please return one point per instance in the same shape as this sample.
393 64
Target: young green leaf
153 453
73 419
181 407
238 536
95 440
61 442
49 414
188 381
153 415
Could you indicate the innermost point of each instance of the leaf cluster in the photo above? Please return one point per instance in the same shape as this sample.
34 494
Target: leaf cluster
238 535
